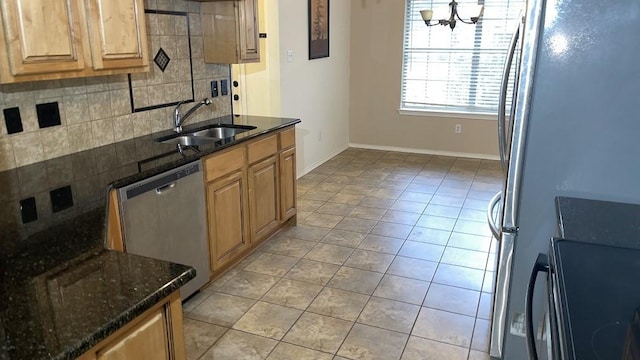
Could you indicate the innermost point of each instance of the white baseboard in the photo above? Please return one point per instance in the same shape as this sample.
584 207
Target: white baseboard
309 168
426 151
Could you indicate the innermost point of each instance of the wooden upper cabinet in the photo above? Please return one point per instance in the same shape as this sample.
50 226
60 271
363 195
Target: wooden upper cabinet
42 36
117 33
230 31
57 39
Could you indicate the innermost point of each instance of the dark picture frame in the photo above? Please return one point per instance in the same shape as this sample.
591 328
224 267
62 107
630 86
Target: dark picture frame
318 29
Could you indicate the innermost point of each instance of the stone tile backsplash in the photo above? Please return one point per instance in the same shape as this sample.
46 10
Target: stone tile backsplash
97 111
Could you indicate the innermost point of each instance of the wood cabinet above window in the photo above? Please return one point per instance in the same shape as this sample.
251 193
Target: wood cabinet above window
230 31
56 39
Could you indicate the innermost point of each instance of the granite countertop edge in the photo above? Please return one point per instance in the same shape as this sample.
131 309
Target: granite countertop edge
207 150
124 318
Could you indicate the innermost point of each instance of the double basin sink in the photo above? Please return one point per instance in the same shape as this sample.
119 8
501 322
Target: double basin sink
208 135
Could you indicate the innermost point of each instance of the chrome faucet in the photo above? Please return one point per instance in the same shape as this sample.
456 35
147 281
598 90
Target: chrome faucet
178 119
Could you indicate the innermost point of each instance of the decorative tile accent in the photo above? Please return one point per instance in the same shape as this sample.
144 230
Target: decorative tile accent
48 114
61 198
162 59
172 81
28 210
12 120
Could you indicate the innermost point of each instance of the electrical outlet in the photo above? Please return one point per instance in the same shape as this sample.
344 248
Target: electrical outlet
224 87
214 88
289 55
458 128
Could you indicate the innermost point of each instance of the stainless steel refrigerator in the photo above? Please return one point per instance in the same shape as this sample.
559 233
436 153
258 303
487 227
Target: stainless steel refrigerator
574 130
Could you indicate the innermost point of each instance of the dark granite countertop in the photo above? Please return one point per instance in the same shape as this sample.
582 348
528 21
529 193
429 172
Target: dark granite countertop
599 222
62 291
60 189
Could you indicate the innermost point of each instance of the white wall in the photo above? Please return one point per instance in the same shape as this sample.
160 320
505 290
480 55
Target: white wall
261 81
316 91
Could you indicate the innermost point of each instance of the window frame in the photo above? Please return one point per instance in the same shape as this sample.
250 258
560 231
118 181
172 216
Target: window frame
433 111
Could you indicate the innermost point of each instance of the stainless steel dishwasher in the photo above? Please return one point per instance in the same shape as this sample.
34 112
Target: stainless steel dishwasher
164 217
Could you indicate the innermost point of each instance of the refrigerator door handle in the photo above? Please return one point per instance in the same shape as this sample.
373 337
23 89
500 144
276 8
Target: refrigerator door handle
491 219
503 281
502 105
541 265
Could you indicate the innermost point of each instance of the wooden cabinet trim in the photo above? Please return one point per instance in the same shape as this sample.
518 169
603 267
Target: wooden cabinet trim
262 148
114 226
288 201
287 138
221 164
264 198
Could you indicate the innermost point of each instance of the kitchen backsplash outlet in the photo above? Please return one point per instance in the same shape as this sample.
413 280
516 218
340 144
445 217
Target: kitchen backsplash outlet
97 111
12 120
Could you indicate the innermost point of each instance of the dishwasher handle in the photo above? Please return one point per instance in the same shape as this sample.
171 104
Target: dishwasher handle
163 189
160 183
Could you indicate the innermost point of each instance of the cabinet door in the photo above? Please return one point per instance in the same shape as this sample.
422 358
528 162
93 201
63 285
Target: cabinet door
287 184
230 31
148 341
226 207
117 33
263 198
42 36
248 31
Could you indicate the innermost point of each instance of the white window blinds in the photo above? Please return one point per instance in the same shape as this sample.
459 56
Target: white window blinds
459 70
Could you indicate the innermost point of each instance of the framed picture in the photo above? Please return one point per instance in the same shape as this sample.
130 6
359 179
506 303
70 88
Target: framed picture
318 29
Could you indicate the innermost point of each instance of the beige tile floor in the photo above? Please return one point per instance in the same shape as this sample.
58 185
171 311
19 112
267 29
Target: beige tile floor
391 259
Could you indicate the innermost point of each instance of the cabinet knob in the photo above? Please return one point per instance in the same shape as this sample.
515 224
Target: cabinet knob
236 97
235 83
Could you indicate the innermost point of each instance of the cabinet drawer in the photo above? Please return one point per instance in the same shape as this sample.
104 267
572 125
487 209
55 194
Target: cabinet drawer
222 164
262 148
287 138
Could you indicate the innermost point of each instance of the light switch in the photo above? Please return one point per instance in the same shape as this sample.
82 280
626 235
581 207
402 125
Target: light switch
224 89
289 55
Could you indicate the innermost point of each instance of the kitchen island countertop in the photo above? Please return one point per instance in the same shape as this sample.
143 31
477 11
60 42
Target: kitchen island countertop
63 292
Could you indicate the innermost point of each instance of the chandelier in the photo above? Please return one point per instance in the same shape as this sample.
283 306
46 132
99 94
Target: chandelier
453 16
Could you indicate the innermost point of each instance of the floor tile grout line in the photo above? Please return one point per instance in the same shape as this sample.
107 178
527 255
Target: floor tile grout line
389 208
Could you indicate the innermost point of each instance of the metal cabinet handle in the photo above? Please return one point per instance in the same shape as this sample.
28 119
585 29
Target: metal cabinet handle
495 200
541 265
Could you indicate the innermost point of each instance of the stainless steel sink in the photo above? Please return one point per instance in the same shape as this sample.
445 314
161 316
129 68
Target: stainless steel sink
205 136
221 131
188 140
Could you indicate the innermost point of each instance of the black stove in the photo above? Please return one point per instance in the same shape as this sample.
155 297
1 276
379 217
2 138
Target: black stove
598 300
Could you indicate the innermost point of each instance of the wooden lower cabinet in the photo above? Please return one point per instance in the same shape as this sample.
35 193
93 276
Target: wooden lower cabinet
251 194
226 211
287 184
264 203
155 335
148 340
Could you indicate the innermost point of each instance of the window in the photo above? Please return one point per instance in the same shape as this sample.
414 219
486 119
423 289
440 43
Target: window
459 70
